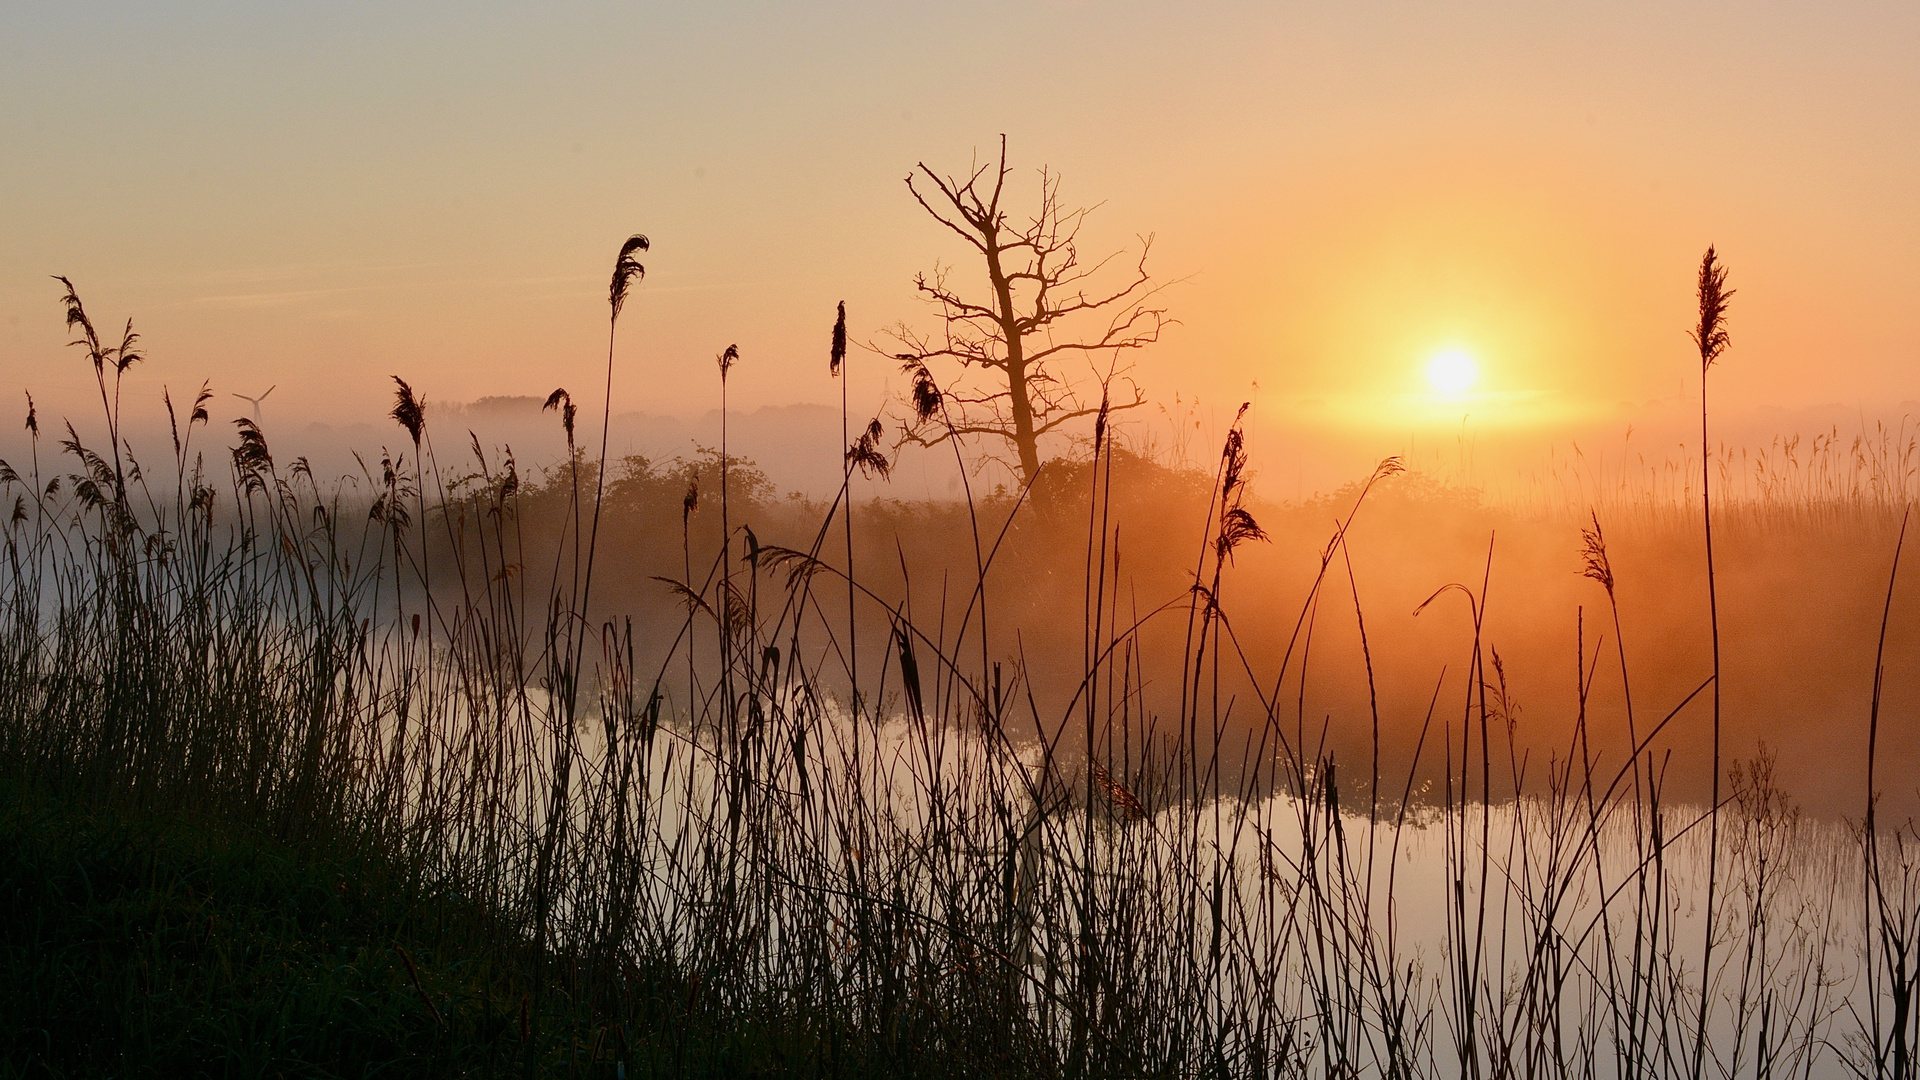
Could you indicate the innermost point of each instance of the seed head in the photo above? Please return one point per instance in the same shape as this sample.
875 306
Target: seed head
838 355
1593 554
865 453
563 401
926 395
625 269
1711 334
408 410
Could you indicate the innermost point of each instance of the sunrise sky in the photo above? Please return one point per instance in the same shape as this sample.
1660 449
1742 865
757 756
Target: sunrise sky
319 196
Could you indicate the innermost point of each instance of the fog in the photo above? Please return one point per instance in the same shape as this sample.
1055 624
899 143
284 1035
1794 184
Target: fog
1805 538
1805 531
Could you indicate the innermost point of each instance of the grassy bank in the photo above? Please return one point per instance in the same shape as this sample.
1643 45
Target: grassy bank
146 943
151 943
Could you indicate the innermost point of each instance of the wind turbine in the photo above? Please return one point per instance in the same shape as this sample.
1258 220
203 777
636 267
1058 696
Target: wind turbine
256 401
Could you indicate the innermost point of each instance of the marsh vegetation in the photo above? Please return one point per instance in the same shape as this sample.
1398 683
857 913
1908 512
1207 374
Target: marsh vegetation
629 768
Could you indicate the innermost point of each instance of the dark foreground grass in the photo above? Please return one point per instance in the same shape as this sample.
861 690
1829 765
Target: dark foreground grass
149 943
144 943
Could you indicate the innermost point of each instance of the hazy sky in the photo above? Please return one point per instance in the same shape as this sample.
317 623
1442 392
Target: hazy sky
320 196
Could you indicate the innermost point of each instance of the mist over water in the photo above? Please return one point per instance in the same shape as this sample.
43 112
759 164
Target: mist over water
1805 552
1806 528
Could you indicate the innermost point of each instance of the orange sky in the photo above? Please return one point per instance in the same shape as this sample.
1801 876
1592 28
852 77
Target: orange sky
321 199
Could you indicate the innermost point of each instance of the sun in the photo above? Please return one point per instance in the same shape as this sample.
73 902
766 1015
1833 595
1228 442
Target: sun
1451 371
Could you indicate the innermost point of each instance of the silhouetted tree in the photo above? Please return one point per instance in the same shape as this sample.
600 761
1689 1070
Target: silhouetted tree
1042 306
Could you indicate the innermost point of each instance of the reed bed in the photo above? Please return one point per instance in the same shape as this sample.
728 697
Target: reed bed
831 830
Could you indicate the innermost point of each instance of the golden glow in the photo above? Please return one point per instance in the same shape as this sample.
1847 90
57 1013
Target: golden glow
1452 371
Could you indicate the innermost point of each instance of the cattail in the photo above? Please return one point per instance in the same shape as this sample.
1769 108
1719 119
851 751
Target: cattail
839 354
691 500
625 269
408 410
1711 334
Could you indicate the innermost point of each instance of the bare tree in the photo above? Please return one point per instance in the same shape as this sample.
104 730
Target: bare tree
1043 307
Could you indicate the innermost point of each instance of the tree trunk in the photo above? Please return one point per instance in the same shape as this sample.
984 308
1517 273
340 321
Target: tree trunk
1024 439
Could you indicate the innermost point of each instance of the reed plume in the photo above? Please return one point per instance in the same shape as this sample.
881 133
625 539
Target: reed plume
864 453
1593 556
409 411
251 460
626 269
838 354
1710 336
102 356
562 401
925 395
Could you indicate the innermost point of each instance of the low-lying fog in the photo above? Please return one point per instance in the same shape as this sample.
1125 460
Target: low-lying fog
1805 543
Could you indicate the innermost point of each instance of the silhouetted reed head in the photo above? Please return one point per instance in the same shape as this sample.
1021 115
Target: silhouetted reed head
1711 334
625 269
865 453
409 411
925 394
197 416
1233 458
838 355
122 356
1237 525
1593 553
251 460
563 401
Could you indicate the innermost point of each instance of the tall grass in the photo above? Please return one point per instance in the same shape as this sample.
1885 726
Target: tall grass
765 849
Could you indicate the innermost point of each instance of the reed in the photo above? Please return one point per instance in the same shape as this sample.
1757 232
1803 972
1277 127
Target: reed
1710 336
